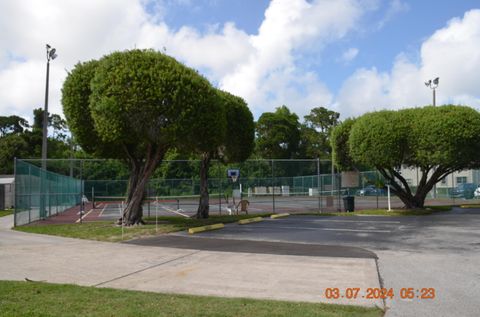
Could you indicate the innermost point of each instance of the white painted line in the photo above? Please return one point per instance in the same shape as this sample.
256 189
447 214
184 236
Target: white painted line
354 221
327 229
357 230
84 216
175 211
101 212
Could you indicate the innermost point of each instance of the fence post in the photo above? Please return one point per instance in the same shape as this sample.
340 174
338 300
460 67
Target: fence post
338 180
273 186
219 189
453 186
30 195
318 186
15 192
81 191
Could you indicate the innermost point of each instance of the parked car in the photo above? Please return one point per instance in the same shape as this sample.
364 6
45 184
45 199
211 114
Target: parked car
464 190
476 193
371 190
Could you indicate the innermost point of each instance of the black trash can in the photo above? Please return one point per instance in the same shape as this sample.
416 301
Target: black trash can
349 203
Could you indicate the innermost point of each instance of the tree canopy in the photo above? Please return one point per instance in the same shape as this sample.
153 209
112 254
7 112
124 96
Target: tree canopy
232 140
315 132
278 134
136 105
12 124
437 140
20 139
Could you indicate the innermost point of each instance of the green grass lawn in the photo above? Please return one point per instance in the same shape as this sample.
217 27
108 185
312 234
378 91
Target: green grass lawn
108 231
43 299
6 212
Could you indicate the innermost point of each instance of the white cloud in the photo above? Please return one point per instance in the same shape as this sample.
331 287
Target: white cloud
217 53
289 27
451 53
349 55
79 30
262 68
395 7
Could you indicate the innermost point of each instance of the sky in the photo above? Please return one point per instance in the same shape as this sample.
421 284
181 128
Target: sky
351 56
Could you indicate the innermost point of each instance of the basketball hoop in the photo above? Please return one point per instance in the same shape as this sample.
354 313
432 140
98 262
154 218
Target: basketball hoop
233 173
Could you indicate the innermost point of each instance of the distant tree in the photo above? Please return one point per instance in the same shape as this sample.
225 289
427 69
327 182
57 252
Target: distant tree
19 139
12 125
177 165
136 105
315 132
437 140
278 134
322 119
11 146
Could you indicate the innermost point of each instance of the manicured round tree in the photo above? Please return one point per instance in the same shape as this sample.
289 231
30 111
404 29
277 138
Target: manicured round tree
339 138
232 128
240 134
437 140
141 103
76 93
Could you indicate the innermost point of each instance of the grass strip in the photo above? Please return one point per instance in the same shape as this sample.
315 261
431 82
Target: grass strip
108 231
43 299
384 212
6 212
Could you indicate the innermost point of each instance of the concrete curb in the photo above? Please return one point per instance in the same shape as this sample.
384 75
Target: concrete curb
206 228
279 215
470 206
250 220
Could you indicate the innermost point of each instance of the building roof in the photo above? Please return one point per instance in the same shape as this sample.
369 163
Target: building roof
7 180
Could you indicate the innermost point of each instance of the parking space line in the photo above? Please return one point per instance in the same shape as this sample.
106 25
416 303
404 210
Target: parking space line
357 230
354 221
326 229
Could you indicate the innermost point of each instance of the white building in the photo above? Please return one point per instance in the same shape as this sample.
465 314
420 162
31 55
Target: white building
7 191
413 176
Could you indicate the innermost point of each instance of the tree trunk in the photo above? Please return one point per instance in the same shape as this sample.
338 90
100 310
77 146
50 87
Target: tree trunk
140 173
204 204
412 201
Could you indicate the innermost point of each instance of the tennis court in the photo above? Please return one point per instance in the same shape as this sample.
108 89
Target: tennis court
256 186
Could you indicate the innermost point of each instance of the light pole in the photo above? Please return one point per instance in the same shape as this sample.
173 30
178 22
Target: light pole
433 84
50 56
43 186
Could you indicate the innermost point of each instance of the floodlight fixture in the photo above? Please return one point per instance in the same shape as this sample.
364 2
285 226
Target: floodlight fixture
433 84
52 54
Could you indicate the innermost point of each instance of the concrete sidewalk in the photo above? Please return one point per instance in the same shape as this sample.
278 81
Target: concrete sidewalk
185 271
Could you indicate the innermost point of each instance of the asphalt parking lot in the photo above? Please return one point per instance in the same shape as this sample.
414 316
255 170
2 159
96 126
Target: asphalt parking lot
440 251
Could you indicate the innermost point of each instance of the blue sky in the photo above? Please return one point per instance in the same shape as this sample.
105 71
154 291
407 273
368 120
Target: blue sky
391 28
352 56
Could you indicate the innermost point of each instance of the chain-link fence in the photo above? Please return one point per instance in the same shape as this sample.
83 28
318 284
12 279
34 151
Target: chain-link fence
267 186
40 194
